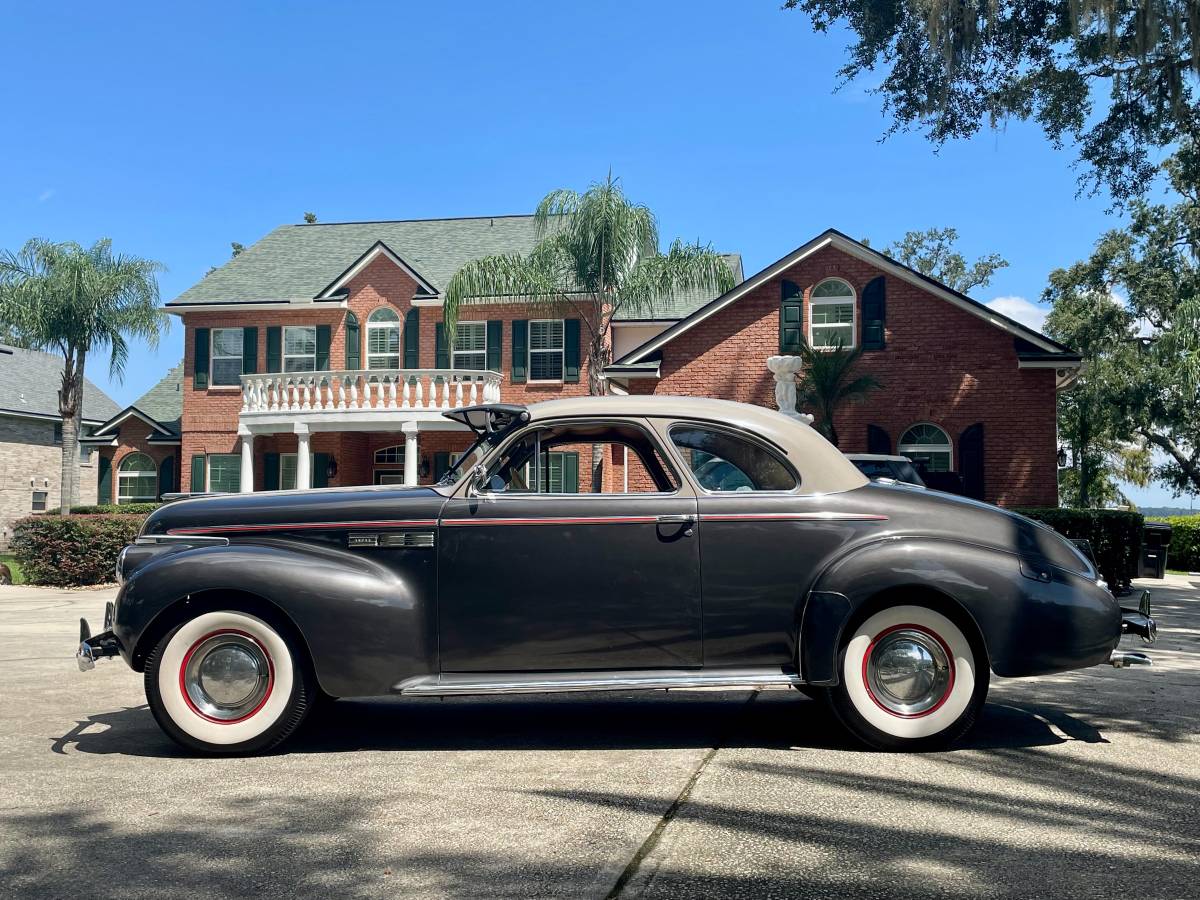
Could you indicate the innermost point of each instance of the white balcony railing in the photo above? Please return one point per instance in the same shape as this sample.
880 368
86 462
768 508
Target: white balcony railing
374 390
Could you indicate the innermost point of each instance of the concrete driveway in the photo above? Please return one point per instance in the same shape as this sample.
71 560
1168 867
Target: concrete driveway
1083 785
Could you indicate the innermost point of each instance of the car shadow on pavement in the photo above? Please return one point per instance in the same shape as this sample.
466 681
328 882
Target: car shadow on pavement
677 720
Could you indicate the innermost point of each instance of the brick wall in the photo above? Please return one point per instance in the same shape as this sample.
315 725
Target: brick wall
941 365
31 461
132 437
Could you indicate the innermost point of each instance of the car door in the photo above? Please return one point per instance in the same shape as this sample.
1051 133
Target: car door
550 569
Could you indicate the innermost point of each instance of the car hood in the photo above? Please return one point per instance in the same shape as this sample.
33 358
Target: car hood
328 506
916 509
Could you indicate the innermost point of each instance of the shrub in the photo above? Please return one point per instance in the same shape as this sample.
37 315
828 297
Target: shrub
1115 536
1184 552
71 550
123 509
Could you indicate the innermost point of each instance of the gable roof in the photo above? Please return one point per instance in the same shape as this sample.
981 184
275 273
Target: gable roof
29 383
161 408
834 238
312 263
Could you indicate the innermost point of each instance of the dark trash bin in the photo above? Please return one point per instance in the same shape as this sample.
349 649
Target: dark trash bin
1155 539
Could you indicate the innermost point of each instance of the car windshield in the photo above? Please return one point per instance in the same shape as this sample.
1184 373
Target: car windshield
470 458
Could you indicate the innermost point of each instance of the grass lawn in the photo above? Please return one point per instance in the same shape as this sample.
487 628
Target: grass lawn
18 576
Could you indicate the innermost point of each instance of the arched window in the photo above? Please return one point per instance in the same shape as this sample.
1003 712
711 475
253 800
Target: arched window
383 339
137 479
929 446
389 465
831 318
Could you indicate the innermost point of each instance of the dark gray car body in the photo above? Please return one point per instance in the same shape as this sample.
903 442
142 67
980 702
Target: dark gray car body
388 587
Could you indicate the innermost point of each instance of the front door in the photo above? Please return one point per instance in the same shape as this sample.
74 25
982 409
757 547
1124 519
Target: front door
562 565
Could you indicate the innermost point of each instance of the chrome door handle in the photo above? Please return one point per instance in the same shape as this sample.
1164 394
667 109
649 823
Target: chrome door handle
677 520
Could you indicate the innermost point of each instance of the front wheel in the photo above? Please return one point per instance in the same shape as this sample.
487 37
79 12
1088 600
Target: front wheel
910 680
226 682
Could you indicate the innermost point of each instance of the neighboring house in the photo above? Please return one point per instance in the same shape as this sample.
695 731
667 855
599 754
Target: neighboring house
31 435
317 357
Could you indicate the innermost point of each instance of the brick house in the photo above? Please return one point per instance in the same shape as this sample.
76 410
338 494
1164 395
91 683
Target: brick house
317 357
31 436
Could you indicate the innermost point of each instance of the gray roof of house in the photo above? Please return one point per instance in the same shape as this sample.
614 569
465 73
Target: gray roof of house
29 383
297 262
164 401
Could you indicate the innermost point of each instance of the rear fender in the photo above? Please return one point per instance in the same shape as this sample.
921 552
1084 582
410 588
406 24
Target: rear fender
366 625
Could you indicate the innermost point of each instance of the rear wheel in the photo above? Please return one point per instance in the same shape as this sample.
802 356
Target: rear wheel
226 682
911 679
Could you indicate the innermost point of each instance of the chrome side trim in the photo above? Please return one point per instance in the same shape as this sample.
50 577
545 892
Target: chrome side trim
180 539
508 683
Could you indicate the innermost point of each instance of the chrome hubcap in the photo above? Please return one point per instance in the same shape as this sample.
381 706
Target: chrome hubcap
908 672
227 676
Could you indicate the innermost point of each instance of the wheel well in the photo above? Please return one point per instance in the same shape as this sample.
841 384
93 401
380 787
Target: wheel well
210 601
919 595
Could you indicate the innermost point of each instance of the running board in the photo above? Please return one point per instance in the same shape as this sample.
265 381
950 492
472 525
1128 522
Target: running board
449 685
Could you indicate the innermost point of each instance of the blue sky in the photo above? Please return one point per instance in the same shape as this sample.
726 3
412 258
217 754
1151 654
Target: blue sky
175 129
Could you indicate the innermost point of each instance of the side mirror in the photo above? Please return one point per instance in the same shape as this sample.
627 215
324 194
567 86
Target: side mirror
479 480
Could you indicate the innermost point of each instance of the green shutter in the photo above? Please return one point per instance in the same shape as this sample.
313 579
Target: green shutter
874 314
275 349
495 338
412 339
441 464
249 351
270 471
791 318
197 484
353 342
571 350
441 348
104 485
166 476
520 350
320 470
324 338
570 473
200 360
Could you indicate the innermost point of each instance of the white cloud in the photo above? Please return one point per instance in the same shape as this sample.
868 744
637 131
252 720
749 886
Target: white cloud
1028 314
45 195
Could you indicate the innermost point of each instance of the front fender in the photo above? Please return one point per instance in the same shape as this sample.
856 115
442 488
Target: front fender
1028 626
366 625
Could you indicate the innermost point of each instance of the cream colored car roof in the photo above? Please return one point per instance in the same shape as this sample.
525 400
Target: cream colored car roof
823 469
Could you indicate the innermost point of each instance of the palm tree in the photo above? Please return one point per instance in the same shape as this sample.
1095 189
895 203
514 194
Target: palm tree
61 296
598 255
829 382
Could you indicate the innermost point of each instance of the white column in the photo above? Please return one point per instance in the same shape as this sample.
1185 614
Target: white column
303 459
247 482
410 452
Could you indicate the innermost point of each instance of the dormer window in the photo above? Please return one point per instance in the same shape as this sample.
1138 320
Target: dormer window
831 315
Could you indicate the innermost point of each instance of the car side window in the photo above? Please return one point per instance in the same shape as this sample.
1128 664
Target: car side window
582 458
724 462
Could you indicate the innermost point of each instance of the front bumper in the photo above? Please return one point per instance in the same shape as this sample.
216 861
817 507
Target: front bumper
99 646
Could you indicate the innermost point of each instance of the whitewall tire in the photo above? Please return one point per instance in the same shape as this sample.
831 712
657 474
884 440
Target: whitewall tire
909 679
226 682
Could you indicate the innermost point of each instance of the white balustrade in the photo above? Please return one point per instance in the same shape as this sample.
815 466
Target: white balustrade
369 390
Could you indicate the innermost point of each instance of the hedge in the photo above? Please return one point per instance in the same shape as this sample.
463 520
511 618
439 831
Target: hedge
127 509
1115 536
1184 551
71 550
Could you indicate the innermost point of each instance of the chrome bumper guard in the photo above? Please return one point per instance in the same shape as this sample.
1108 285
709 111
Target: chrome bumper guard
1140 622
94 647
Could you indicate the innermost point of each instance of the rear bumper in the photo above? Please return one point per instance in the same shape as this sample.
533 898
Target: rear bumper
1140 622
99 646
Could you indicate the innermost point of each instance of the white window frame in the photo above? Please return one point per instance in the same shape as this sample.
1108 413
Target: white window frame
814 302
293 457
561 351
213 356
456 353
287 356
376 460
907 448
208 468
385 325
122 475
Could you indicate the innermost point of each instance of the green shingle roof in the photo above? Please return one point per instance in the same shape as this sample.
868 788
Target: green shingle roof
297 262
164 401
29 383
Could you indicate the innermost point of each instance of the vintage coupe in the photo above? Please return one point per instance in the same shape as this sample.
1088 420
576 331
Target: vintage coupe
713 543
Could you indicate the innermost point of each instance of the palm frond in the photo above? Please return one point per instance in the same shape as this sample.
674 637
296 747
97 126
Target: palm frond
535 279
684 267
